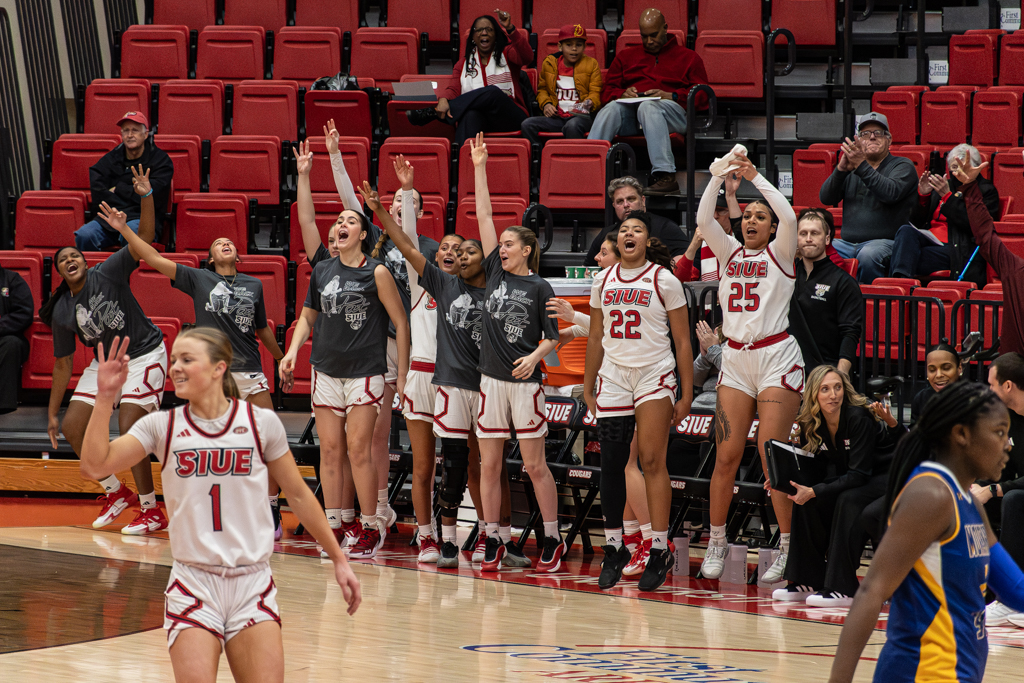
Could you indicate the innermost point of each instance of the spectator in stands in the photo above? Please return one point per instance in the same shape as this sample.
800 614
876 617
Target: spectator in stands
16 306
1004 501
706 366
853 449
826 300
627 194
876 189
943 367
1008 266
569 92
484 94
661 68
941 211
698 261
110 180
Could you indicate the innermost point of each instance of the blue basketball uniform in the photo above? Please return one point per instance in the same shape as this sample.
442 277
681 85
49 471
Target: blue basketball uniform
936 629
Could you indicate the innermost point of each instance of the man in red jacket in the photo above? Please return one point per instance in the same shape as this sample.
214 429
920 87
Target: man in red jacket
661 69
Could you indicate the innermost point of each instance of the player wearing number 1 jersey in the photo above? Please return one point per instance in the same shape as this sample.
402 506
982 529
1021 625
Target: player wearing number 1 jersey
762 368
630 382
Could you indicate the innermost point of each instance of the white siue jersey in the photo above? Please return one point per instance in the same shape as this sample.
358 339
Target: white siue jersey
635 303
754 293
423 328
214 476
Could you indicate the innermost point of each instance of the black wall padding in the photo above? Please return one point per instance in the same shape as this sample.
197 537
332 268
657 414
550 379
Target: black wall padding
120 15
83 43
16 174
41 69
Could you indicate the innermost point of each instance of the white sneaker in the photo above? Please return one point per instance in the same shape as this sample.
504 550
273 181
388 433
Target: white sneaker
1015 619
479 546
714 560
390 517
998 614
429 551
792 593
774 573
830 599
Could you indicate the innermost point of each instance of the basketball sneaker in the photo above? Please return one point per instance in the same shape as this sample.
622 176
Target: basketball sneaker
774 573
659 564
494 551
449 556
429 552
514 557
390 517
350 533
114 504
146 522
479 547
370 541
339 536
551 558
633 541
714 560
611 567
638 562
998 614
792 593
829 599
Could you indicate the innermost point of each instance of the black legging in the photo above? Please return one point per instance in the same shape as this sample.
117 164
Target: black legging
13 353
487 110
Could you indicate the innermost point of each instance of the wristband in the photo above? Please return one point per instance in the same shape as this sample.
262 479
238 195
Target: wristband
147 194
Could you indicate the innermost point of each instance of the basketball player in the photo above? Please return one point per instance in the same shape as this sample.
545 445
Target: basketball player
352 297
96 304
225 299
215 453
762 368
939 553
634 306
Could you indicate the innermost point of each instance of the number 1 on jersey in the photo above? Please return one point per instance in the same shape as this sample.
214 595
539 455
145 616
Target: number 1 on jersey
744 292
215 501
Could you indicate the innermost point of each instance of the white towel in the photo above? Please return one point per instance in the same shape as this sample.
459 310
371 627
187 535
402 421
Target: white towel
720 167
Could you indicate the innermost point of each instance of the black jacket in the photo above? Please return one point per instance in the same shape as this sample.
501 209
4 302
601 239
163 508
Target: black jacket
670 234
16 304
961 239
862 449
875 202
114 170
826 314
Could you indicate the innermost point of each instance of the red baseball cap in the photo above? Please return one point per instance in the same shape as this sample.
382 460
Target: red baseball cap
570 31
136 116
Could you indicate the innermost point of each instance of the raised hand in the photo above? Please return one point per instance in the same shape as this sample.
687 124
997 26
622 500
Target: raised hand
853 152
966 172
478 150
506 20
112 368
745 168
403 169
115 218
560 308
732 183
140 181
333 137
303 157
705 336
370 197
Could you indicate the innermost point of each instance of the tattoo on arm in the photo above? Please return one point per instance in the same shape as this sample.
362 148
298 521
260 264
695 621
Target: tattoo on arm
722 427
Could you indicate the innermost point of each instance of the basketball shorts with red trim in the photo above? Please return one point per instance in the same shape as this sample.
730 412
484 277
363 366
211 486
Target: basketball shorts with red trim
455 412
144 386
620 389
342 394
221 600
418 402
250 383
779 365
504 405
391 376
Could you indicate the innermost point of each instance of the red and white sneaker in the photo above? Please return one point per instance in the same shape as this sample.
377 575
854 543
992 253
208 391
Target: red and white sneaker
638 563
551 557
339 536
370 541
351 531
480 547
429 550
114 504
633 541
494 553
146 522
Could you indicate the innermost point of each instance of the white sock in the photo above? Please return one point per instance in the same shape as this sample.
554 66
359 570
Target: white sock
382 501
368 520
551 529
784 543
718 534
645 531
334 517
659 540
491 530
148 501
426 531
505 533
448 533
613 537
347 516
630 527
111 484
273 500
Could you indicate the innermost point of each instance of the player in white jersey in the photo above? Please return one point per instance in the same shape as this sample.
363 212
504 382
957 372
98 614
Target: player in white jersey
762 367
630 384
216 454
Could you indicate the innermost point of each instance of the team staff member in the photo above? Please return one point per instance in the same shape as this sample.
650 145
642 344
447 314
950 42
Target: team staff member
827 309
627 194
16 308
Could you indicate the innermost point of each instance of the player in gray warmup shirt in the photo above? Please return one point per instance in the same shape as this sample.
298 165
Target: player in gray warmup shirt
350 300
233 303
96 305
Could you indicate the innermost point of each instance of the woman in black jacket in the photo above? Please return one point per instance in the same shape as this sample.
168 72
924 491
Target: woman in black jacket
852 441
941 209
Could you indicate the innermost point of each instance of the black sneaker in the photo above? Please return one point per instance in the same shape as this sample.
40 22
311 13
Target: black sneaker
275 513
449 556
551 558
494 550
514 557
611 568
658 566
421 117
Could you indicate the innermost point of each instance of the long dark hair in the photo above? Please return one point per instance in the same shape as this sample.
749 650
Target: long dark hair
961 403
500 43
46 310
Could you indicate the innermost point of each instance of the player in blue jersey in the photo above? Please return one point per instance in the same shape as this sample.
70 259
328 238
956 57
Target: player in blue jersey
939 553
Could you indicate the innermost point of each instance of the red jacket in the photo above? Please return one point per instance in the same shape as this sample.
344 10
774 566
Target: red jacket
675 69
517 55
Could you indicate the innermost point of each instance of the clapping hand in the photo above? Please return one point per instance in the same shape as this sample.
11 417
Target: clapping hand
853 154
706 337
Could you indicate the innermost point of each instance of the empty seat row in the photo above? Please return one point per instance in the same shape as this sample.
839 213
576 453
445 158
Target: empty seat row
985 57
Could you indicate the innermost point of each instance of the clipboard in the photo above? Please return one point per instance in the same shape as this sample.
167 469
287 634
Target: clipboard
787 463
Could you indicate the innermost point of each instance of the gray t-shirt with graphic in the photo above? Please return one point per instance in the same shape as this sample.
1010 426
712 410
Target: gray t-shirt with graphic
393 260
233 305
459 320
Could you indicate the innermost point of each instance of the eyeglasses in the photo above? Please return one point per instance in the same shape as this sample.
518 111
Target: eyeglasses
483 29
872 134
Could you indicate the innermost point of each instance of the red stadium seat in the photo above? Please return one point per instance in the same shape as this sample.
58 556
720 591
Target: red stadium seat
431 224
549 16
811 167
631 38
945 117
401 127
204 217
107 100
157 53
356 154
1011 59
267 108
729 15
272 271
900 107
247 164
267 359
734 61
170 328
508 170
29 265
186 153
269 14
676 13
430 157
231 53
964 288
972 59
469 10
919 154
850 265
905 284
505 212
326 216
996 118
192 108
889 339
431 16
37 373
1008 172
303 370
92 258
572 174
929 334
156 294
1012 235
597 45
344 15
195 14
306 54
74 154
47 220
813 22
302 275
348 108
384 54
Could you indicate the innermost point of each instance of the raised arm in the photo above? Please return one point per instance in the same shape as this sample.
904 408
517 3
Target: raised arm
140 248
341 180
408 247
720 243
997 254
784 245
406 176
484 214
311 240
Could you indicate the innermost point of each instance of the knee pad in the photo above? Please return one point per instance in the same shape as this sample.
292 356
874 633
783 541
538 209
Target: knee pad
455 472
616 429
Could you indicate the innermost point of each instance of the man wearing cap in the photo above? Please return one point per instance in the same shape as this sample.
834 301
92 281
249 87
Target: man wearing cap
877 191
569 91
110 180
